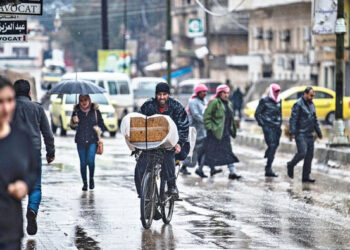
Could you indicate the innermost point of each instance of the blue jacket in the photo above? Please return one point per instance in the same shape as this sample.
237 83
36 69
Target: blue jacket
175 110
303 119
196 111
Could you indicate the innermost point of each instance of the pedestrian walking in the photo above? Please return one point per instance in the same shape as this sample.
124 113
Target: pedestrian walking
237 101
268 114
220 126
88 123
303 123
196 109
19 170
32 116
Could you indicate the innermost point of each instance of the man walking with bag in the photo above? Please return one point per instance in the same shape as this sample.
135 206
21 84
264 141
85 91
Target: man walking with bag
303 122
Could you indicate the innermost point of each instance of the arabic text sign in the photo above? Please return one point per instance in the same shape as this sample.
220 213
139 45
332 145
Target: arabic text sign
26 7
325 17
13 27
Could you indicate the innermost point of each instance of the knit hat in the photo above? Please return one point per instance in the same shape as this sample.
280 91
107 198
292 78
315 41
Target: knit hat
22 87
162 87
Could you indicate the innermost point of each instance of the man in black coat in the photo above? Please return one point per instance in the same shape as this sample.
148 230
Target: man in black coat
165 105
269 116
237 101
303 122
32 116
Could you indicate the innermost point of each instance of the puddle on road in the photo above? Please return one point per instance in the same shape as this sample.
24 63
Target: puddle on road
83 241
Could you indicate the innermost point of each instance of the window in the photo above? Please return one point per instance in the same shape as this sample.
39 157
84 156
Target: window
101 84
112 85
187 89
322 95
295 96
123 88
20 51
212 87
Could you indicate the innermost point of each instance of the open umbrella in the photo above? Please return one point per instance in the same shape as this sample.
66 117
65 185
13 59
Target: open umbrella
81 87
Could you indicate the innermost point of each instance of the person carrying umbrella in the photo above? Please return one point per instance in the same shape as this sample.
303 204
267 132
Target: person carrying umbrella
88 122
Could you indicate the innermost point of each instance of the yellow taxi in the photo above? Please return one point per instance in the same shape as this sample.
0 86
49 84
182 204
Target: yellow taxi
324 101
62 107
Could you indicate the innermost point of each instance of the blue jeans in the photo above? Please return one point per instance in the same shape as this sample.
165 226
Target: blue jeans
87 158
35 195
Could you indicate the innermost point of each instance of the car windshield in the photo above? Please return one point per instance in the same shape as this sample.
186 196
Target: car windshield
97 98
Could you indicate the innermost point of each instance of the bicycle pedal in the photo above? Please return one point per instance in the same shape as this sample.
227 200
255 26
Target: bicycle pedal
178 199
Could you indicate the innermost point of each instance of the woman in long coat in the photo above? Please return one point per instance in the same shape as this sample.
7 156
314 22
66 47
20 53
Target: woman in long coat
220 126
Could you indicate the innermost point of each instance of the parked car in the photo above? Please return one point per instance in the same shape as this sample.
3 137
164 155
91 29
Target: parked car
61 111
118 87
186 88
144 88
324 101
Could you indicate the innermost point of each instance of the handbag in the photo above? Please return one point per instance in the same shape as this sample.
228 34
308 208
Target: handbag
99 150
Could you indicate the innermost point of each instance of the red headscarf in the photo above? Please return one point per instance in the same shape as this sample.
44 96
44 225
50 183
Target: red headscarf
274 92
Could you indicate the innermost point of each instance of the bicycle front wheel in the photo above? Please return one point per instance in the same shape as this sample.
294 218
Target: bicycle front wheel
147 200
167 205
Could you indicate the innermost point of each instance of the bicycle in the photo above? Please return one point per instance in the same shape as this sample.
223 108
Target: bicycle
152 197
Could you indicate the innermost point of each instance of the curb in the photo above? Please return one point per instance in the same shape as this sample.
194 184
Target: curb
333 157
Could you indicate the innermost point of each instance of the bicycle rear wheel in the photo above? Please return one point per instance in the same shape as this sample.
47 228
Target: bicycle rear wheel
147 200
167 204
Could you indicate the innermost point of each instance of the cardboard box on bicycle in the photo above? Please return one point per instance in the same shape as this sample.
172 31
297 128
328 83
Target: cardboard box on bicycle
161 131
157 129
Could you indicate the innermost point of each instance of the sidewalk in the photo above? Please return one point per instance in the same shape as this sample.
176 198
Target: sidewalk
333 157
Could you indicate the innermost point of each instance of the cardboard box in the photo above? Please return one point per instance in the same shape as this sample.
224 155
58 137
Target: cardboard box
157 129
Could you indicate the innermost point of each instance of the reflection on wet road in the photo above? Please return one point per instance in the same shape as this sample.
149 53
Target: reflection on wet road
253 213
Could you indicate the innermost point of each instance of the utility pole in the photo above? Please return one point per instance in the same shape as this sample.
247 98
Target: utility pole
207 35
339 138
125 33
168 43
104 17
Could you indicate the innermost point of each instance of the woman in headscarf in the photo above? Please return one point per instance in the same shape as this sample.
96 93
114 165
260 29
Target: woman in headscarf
220 126
88 122
269 116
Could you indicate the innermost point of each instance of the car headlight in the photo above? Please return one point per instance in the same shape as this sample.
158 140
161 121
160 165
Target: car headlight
69 113
110 115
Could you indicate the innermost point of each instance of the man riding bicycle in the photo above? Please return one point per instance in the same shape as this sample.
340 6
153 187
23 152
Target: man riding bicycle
163 104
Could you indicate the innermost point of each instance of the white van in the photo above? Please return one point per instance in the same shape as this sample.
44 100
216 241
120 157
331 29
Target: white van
144 88
118 88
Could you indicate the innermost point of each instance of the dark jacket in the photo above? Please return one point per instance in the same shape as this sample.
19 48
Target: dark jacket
268 113
175 110
31 115
303 119
18 161
86 133
237 99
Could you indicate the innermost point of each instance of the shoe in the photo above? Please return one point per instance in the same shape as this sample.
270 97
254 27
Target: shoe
270 174
174 192
201 173
184 171
234 177
215 171
92 184
84 187
157 214
32 226
308 180
290 171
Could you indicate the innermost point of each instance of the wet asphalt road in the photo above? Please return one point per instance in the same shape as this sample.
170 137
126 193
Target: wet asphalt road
253 213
